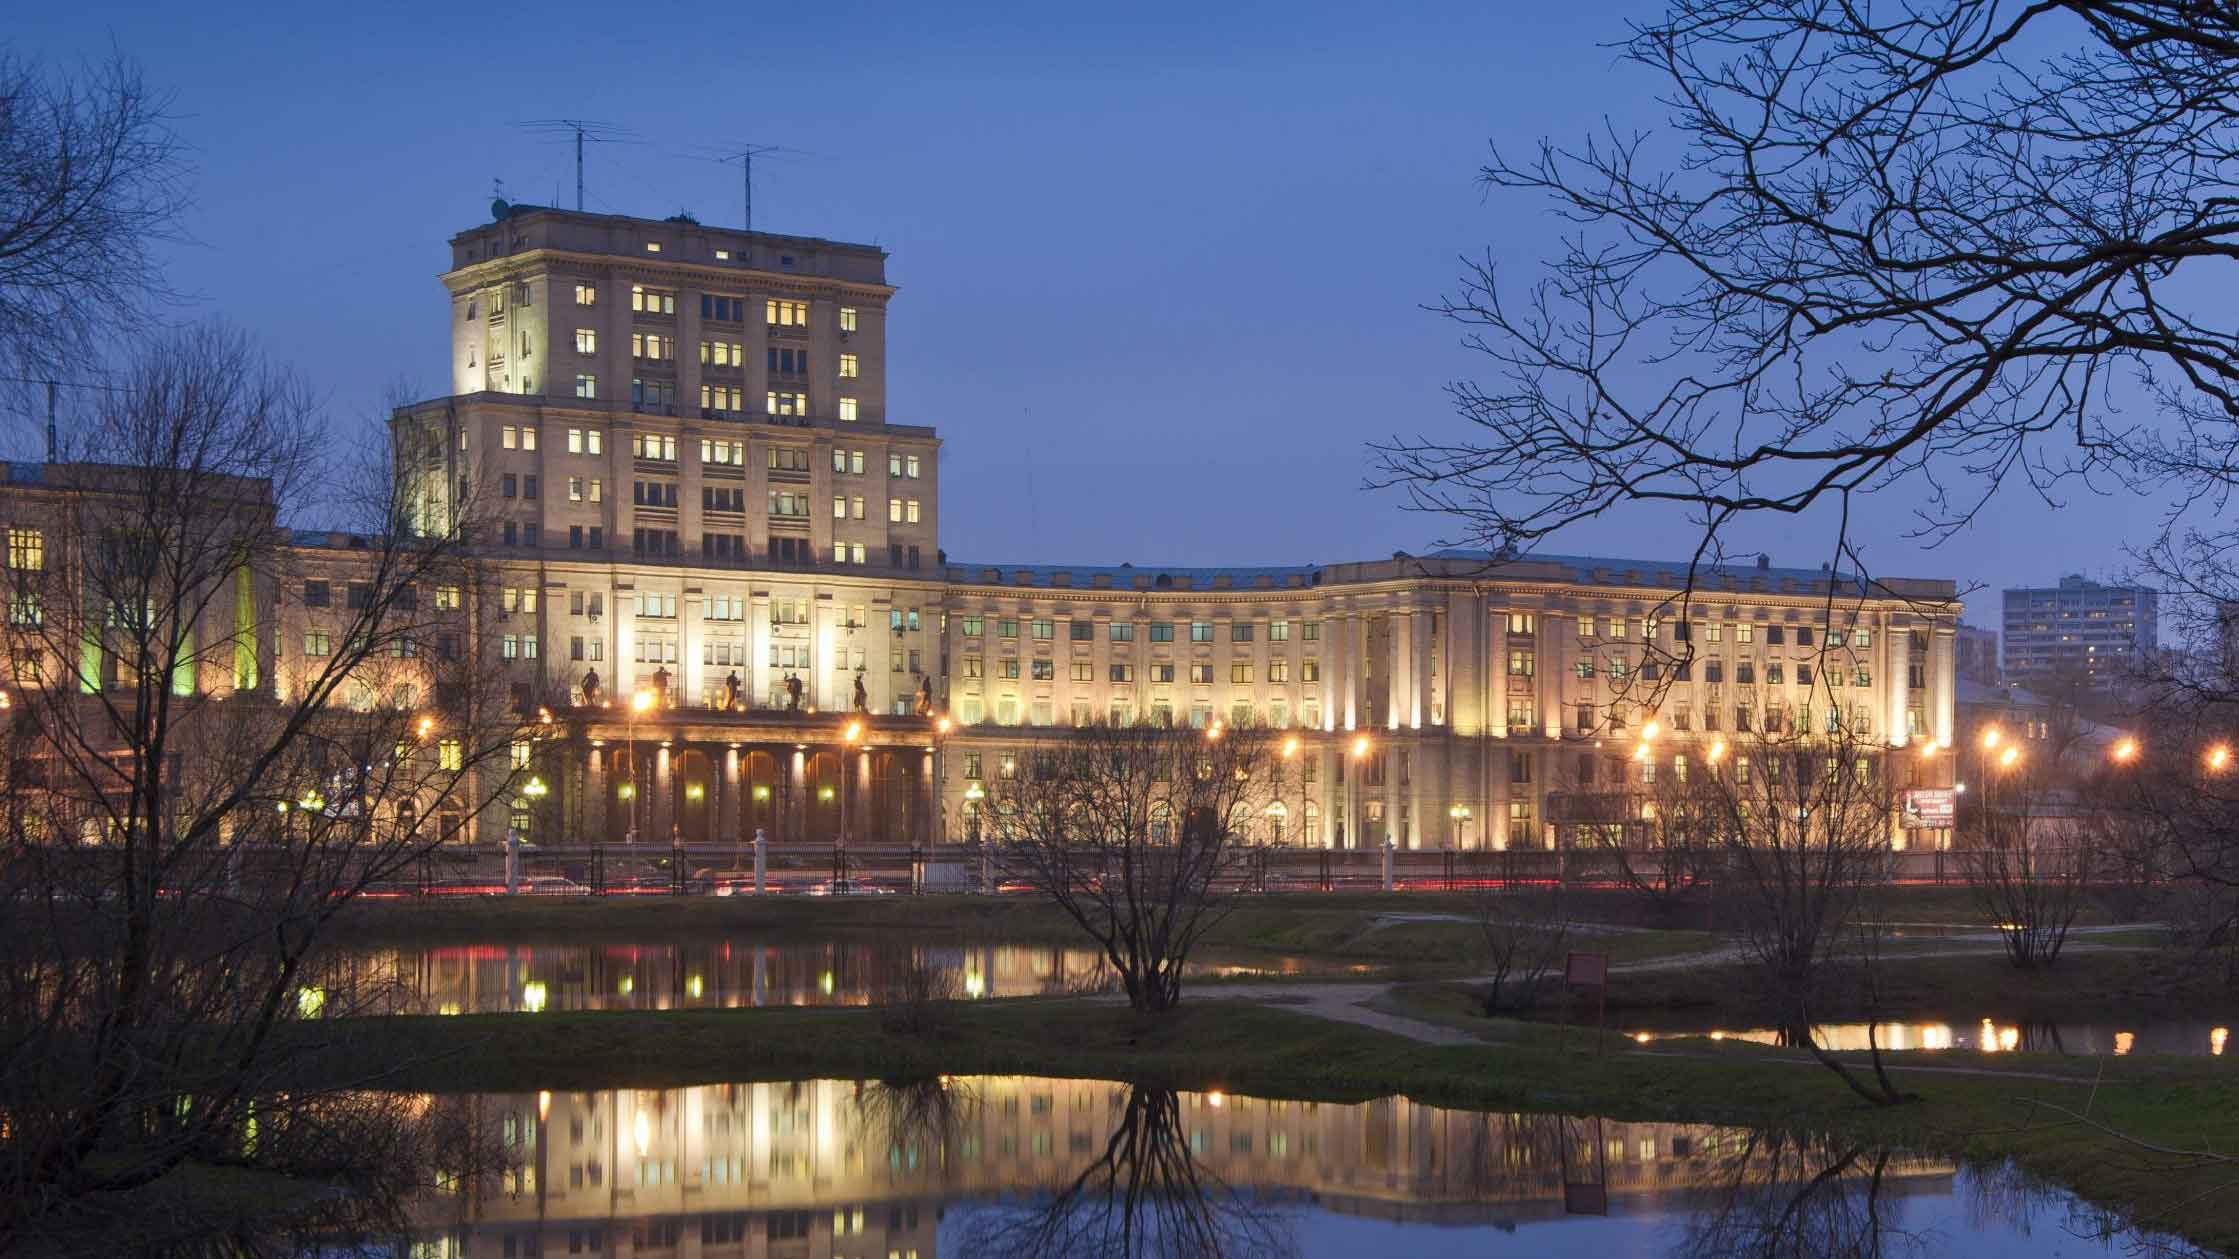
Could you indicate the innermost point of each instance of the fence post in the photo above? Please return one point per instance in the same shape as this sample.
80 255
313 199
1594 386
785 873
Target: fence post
761 862
987 870
1388 843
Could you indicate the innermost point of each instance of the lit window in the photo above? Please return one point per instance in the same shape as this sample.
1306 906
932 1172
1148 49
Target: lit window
849 369
586 386
586 295
847 409
847 319
27 550
652 246
586 340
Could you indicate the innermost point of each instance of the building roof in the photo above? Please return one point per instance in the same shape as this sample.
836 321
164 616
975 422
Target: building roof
1131 577
1583 570
516 209
1973 694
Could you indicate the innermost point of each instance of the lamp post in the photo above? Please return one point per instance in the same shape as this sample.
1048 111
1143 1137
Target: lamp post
639 703
1459 816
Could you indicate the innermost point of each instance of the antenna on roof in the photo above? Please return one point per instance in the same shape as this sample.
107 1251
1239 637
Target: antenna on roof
582 131
744 155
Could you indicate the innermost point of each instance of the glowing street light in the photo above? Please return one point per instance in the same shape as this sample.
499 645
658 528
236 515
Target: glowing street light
427 726
1930 748
1649 731
641 701
943 726
1717 751
1989 738
2125 752
2219 757
2007 758
1360 747
1290 747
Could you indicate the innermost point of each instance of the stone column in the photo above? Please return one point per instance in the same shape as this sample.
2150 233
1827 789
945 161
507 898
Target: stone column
1400 689
928 805
862 826
1431 794
1940 681
598 798
792 810
727 825
1422 689
663 812
1897 682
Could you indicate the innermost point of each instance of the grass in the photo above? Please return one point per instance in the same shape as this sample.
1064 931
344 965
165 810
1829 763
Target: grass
1401 936
1272 1052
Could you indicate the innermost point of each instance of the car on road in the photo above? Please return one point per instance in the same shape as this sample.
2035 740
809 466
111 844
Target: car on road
847 887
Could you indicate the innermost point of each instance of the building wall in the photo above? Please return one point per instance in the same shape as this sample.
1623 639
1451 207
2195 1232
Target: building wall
2080 628
1478 688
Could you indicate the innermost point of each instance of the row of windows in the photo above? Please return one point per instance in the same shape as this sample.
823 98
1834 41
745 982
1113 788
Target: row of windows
1745 672
1007 711
850 463
1044 669
1647 629
1159 632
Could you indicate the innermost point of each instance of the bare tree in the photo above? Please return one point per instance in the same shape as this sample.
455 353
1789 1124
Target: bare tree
1803 822
1784 1195
90 187
181 819
1524 930
1929 245
2024 861
1141 834
1144 1195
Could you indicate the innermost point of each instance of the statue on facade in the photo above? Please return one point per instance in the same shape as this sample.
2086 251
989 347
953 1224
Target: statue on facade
862 697
792 692
661 686
591 688
924 707
731 686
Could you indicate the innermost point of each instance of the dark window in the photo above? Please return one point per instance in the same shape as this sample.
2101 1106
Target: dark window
361 596
315 594
506 485
528 486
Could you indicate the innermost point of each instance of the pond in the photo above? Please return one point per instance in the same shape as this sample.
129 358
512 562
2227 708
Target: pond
2183 1037
711 971
1020 1166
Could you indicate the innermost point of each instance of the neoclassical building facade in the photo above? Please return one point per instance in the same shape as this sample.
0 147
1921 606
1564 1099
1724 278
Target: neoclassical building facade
715 565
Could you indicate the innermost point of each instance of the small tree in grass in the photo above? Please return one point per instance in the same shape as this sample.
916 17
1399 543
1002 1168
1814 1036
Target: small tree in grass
1141 834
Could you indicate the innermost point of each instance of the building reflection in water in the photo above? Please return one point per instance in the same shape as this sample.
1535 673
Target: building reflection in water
864 1168
497 979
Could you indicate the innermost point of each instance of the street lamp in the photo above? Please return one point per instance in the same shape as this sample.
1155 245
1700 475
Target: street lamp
2125 751
1460 815
2219 757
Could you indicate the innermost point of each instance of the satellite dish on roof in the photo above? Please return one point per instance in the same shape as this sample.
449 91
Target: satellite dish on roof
499 209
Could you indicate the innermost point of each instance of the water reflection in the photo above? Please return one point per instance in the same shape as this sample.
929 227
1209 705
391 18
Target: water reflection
913 1169
709 972
2177 1037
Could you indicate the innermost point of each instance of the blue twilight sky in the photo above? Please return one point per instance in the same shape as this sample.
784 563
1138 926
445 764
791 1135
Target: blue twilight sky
1161 265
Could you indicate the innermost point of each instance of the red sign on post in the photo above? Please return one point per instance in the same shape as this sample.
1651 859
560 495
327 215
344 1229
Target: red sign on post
1930 808
1587 970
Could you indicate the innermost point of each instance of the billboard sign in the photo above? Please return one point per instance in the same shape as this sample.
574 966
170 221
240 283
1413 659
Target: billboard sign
1930 809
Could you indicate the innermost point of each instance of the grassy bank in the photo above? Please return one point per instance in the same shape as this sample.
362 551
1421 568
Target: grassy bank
1272 1052
1400 935
2083 987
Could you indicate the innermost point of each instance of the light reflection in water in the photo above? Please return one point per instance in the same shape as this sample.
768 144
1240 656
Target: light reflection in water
1001 1166
1989 1036
490 979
